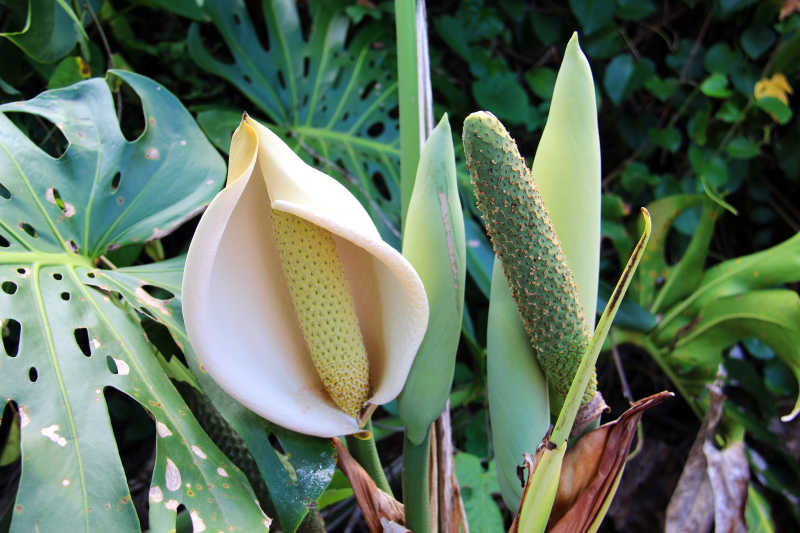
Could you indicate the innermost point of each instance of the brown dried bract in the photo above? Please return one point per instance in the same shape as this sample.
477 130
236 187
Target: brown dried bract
377 507
592 468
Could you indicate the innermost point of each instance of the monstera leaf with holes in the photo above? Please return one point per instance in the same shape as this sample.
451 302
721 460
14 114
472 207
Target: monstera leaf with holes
332 95
296 469
65 341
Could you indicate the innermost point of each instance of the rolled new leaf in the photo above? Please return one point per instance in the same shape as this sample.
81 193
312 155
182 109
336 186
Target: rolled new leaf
566 170
434 244
533 262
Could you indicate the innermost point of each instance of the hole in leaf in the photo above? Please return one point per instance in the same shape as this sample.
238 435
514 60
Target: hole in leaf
394 113
30 230
12 332
303 10
276 444
281 79
90 275
375 129
132 122
54 197
380 184
306 66
41 132
33 374
160 337
57 276
9 443
135 434
65 296
145 311
115 182
256 12
111 365
368 89
82 340
346 116
5 193
9 287
157 292
4 242
236 19
22 271
247 79
72 245
215 44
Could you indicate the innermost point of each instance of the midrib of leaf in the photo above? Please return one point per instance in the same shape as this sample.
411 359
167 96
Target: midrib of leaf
312 106
347 138
289 76
19 239
378 101
35 199
105 237
59 377
44 259
737 316
87 219
350 84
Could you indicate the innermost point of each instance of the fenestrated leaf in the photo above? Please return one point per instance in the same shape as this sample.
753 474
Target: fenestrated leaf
295 476
66 342
333 101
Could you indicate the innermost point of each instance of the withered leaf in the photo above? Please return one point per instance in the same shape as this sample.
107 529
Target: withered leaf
377 507
592 468
712 488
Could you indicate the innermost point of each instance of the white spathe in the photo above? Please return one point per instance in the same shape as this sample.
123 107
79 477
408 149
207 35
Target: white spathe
237 307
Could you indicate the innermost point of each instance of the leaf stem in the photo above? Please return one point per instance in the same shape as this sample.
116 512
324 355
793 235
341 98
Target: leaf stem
410 118
416 485
365 452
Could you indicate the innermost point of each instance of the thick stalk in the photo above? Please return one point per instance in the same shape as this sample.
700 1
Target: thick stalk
416 484
410 123
366 453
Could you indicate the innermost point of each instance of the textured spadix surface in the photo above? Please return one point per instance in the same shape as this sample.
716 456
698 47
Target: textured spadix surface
238 307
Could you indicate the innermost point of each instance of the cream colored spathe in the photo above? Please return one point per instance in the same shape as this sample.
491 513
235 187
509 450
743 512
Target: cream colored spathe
238 310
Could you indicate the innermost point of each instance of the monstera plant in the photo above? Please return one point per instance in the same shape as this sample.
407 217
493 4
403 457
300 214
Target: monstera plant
72 331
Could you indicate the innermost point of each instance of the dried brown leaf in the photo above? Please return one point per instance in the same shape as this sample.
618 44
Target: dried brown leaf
452 516
592 468
712 488
376 506
729 475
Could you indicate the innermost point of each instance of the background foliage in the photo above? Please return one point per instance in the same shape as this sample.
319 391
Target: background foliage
679 115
